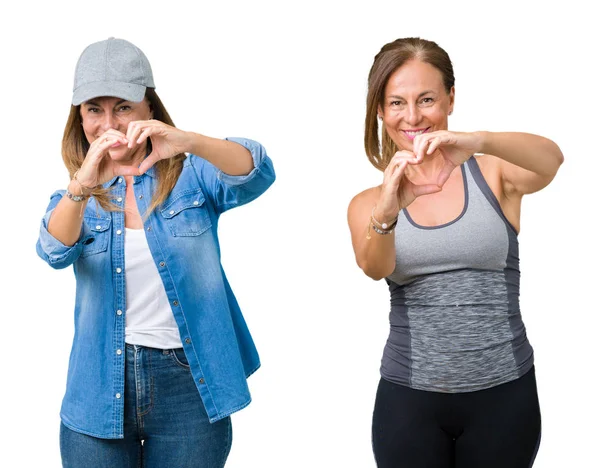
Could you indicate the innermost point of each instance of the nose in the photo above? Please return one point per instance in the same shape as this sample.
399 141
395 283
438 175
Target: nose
413 115
108 121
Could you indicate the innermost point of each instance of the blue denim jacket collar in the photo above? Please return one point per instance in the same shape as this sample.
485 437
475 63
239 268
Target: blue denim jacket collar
150 172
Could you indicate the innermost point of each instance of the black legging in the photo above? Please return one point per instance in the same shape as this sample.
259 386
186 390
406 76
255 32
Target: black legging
499 427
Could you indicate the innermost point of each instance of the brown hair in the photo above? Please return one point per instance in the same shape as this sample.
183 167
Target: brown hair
391 57
75 147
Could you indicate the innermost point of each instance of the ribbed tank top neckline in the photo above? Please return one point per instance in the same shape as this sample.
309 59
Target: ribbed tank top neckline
449 223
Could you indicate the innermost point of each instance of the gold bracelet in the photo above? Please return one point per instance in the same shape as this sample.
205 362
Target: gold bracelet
81 186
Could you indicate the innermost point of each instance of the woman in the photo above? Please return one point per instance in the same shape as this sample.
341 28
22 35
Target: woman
458 386
161 351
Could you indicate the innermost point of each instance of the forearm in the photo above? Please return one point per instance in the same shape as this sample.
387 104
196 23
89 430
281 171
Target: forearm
229 157
66 220
377 256
375 252
532 152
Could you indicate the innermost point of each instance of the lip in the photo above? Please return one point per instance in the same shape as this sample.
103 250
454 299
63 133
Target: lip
413 132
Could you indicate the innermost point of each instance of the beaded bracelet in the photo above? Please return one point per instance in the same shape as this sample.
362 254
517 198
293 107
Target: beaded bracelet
383 226
75 198
378 230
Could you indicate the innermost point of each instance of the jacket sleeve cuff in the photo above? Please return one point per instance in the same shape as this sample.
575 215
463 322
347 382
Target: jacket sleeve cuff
259 155
54 250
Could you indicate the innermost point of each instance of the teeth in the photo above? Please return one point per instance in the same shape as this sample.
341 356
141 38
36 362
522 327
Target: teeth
409 133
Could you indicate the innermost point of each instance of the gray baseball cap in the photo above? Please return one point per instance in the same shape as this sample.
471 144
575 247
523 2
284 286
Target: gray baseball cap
113 67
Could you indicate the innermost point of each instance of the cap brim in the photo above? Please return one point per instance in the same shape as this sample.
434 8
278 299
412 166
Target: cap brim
128 91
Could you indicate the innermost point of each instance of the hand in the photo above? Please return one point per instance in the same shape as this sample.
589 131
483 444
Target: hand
98 167
455 148
166 141
397 191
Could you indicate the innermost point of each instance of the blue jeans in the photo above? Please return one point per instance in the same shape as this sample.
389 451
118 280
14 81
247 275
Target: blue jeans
166 424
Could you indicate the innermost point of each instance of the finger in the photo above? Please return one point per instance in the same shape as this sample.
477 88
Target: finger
444 174
134 129
417 147
145 133
420 190
394 180
433 145
147 163
112 133
108 142
404 155
391 167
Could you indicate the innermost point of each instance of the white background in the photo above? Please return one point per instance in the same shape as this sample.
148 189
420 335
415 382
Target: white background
293 76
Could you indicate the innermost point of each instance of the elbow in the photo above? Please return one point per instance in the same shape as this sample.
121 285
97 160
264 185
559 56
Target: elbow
56 262
374 271
557 157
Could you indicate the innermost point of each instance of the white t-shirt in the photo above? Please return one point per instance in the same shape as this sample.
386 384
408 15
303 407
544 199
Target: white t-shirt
149 320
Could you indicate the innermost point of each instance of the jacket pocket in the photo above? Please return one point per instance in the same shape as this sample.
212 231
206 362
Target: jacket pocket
96 235
186 214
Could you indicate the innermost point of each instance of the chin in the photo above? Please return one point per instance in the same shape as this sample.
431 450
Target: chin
119 154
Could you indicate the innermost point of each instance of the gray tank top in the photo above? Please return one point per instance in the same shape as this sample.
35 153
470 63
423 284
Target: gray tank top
455 319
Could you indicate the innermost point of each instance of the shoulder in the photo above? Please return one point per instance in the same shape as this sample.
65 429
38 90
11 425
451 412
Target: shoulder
491 168
488 163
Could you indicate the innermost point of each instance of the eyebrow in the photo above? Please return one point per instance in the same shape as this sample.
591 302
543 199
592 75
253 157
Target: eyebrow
94 103
395 96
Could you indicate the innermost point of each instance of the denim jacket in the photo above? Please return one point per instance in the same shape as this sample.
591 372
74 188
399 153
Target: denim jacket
182 236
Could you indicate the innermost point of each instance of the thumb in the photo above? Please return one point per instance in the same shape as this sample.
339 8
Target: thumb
420 190
147 163
445 174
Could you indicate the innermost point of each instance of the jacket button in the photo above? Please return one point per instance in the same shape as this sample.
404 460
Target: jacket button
201 380
175 303
188 341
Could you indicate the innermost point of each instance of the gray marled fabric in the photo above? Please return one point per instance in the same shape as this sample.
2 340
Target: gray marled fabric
455 319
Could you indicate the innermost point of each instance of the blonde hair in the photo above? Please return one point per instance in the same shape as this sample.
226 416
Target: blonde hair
75 147
391 57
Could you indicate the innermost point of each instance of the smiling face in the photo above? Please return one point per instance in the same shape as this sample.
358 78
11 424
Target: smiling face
101 114
415 101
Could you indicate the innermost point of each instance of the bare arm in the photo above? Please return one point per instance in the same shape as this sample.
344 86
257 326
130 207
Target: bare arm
529 162
375 256
376 253
66 220
97 168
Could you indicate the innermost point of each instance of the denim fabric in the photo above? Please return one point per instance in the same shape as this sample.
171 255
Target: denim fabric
182 237
164 410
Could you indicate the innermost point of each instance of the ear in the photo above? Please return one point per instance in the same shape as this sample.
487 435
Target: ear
379 112
451 95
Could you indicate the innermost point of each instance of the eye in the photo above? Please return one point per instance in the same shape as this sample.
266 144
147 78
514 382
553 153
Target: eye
395 103
427 101
124 108
93 110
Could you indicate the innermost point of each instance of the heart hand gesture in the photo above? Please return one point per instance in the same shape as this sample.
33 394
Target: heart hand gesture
455 148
